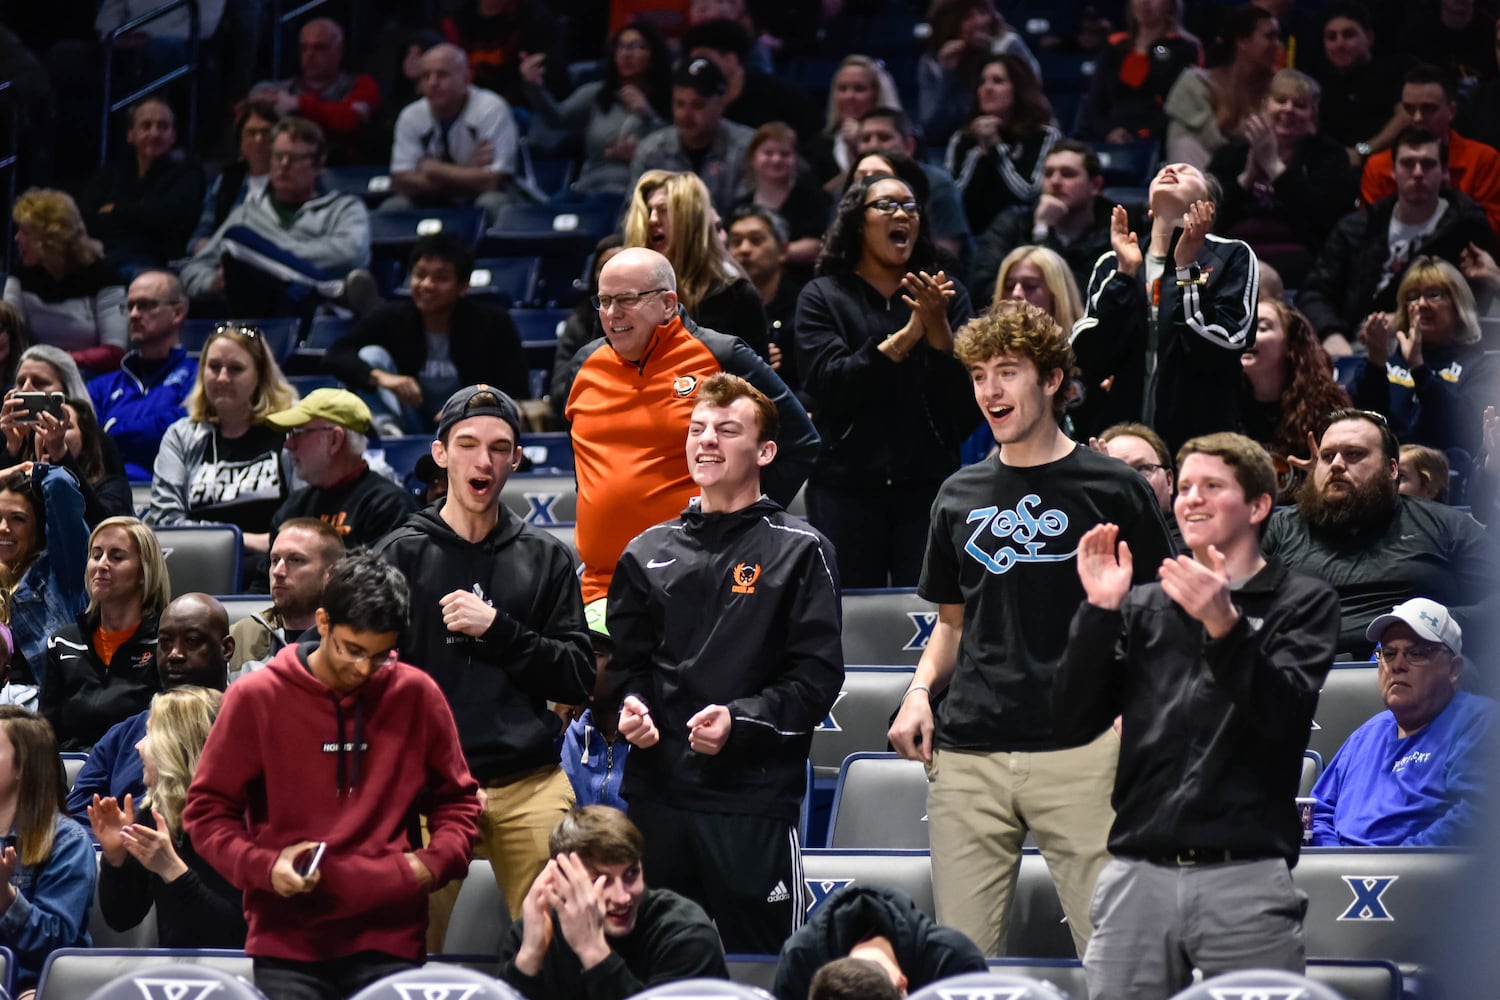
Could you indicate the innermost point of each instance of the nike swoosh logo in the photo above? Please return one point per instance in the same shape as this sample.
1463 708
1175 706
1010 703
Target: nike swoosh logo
658 564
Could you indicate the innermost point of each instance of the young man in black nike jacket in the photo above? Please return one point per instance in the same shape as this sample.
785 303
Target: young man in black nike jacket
726 627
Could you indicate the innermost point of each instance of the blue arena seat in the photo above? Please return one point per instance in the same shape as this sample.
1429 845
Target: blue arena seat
1064 973
239 606
1127 164
551 450
281 334
480 921
886 626
326 331
371 184
440 982
880 802
1357 979
401 453
859 719
824 872
1036 926
542 499
704 989
405 227
507 281
1373 903
77 973
1259 983
1312 769
1350 698
201 558
539 325
73 762
752 970
992 984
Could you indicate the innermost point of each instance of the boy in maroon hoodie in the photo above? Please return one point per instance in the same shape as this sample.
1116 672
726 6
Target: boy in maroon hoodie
336 742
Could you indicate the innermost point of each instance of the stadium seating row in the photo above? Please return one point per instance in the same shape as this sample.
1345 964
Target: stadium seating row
1373 912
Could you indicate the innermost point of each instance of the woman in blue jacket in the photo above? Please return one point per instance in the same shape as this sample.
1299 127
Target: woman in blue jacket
43 549
47 877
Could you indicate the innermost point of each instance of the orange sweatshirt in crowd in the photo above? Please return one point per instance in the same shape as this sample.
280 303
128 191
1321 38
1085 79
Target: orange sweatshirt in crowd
629 426
1473 168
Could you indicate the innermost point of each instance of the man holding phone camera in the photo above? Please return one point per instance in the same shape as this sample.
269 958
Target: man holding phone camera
309 788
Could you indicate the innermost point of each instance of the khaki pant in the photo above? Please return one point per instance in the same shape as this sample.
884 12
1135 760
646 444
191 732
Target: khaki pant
514 825
979 807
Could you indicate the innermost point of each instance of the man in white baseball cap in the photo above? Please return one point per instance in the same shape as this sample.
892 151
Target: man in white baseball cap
1414 774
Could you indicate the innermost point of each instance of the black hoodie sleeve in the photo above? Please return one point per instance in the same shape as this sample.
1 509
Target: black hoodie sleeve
797 443
555 662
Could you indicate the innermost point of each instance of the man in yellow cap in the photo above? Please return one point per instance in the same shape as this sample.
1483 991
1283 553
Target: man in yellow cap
326 437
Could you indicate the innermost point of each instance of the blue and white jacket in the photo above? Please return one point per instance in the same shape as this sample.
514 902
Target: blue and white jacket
50 595
135 413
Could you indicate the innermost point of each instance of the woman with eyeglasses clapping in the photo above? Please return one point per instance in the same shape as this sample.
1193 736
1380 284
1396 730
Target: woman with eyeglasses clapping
875 348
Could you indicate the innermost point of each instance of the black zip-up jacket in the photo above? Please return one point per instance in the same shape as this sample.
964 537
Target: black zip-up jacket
1214 729
1420 549
82 696
925 950
1196 342
737 609
537 649
881 422
1341 289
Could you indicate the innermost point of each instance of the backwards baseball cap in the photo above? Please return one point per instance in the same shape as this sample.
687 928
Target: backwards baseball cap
1427 618
478 401
337 406
702 75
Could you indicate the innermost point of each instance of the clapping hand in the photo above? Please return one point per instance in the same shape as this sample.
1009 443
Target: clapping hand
1105 566
109 821
153 849
1376 336
1201 590
1125 243
1196 222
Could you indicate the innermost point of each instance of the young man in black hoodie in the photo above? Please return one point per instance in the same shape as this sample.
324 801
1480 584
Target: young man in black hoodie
497 620
727 655
1216 671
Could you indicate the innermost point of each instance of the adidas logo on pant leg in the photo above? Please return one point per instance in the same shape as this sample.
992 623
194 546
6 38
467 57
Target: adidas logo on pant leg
779 894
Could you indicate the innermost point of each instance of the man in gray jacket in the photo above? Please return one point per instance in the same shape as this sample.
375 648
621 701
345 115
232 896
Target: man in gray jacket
284 249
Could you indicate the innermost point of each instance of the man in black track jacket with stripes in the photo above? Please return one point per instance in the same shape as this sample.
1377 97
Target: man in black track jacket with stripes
727 656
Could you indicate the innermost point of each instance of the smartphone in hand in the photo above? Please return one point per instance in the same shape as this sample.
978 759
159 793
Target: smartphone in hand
308 861
37 403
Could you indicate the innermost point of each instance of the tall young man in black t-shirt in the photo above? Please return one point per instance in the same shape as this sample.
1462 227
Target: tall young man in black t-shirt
999 566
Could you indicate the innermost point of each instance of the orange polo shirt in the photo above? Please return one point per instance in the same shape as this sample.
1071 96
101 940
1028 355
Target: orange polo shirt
1473 168
629 426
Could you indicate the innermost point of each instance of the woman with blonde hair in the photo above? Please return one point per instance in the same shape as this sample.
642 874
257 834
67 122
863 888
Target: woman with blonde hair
69 295
1436 386
50 868
102 669
860 85
673 215
147 856
222 463
1040 276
